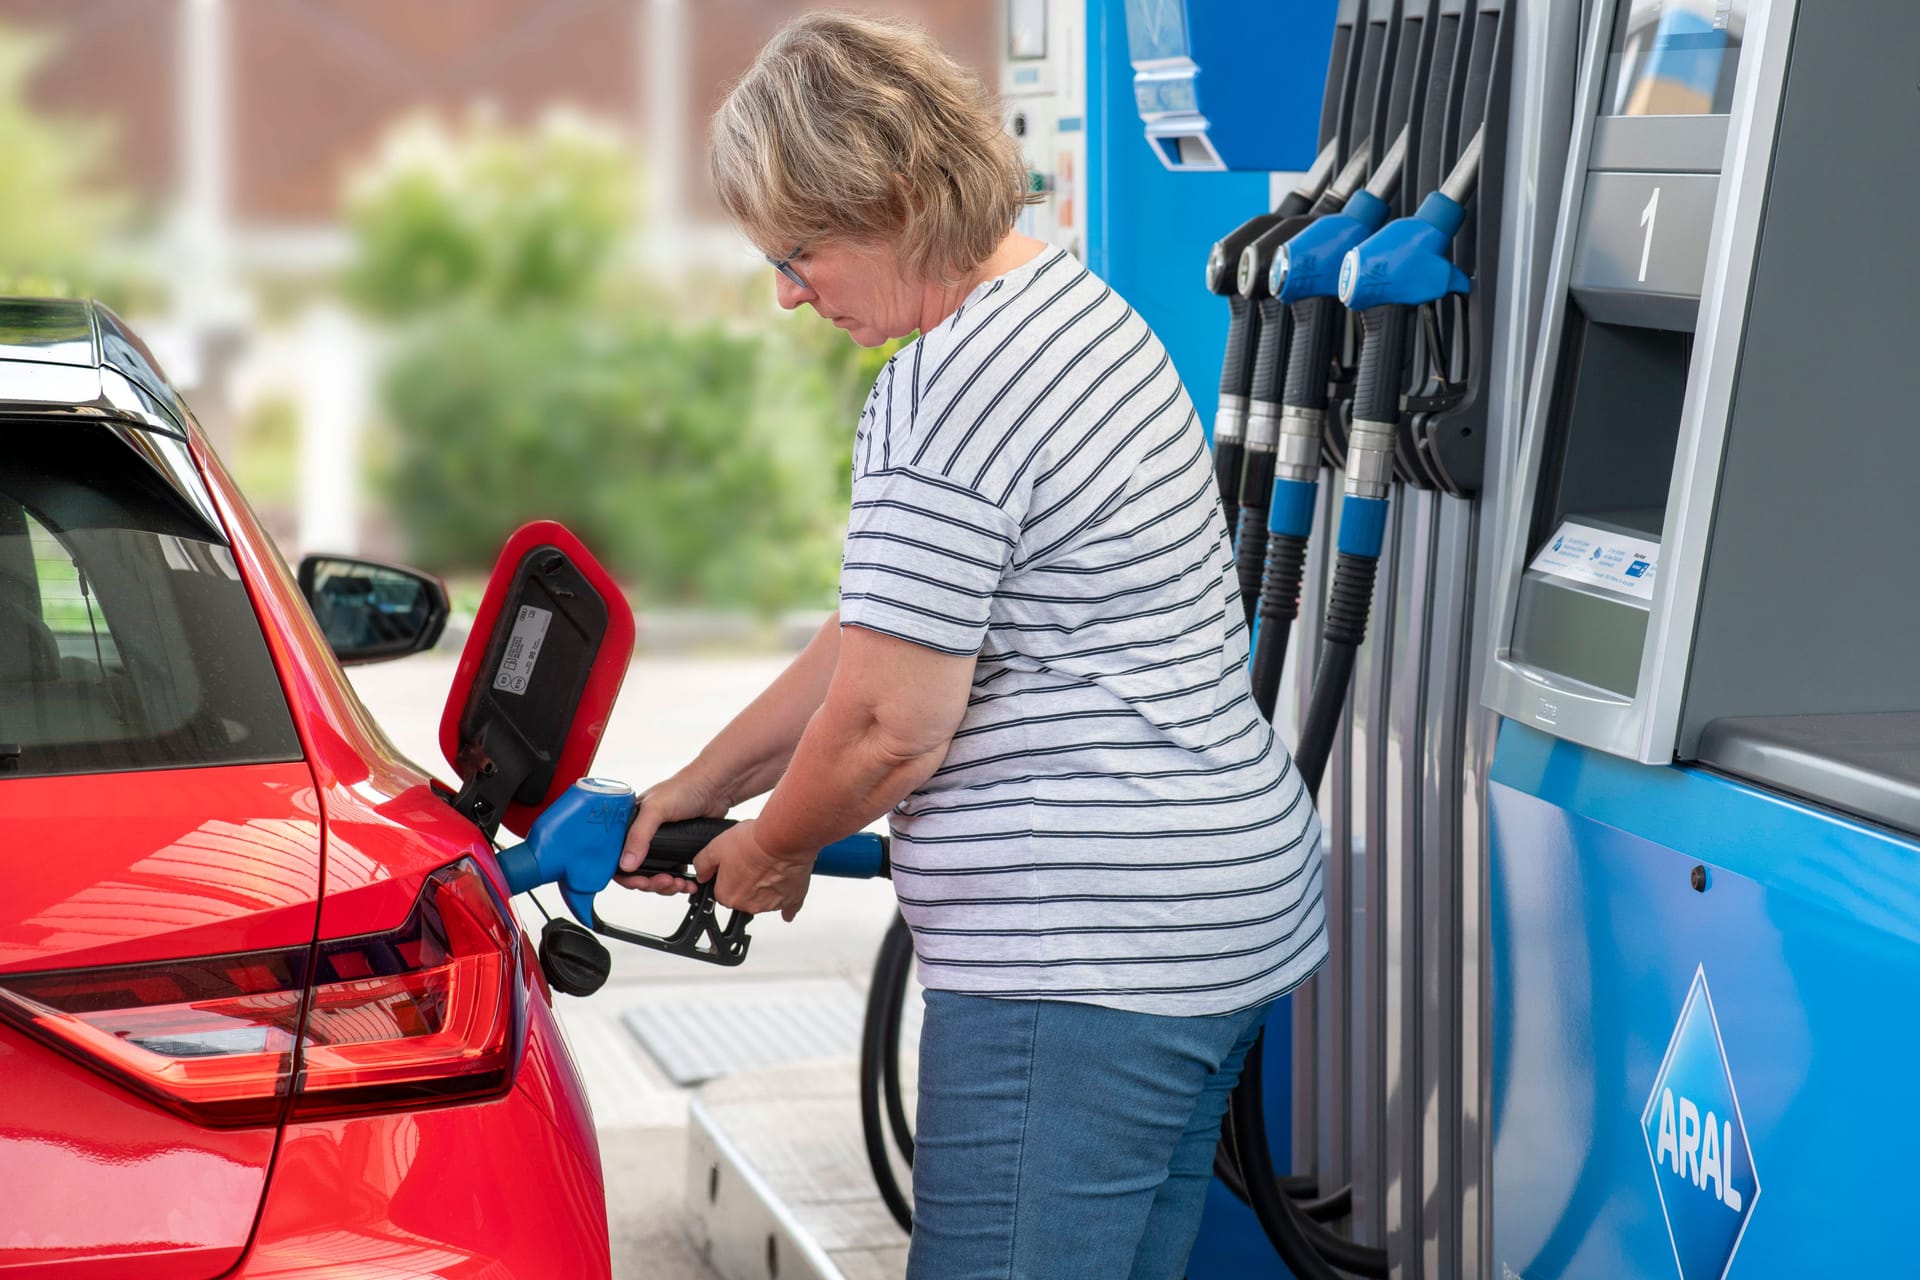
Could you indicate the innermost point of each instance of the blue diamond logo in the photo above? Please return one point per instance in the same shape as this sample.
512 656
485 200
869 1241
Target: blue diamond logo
1697 1140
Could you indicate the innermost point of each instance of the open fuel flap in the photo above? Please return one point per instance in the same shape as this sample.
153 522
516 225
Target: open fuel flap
537 679
530 700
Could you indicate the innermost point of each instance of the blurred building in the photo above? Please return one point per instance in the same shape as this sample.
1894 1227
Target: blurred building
249 114
236 125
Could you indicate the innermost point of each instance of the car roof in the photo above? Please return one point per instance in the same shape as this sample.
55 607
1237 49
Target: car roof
75 356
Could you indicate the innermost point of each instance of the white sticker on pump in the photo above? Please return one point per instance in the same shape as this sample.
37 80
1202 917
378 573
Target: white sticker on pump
1617 561
523 649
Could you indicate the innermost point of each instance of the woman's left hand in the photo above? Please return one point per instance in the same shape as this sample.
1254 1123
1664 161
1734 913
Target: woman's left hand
748 878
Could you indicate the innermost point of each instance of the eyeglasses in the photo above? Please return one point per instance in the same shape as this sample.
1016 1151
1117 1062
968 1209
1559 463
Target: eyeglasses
785 267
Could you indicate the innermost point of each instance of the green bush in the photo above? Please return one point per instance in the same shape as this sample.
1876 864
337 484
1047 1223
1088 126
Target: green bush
703 465
700 445
57 200
505 220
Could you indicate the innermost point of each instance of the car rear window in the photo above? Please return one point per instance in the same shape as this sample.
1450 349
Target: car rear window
127 640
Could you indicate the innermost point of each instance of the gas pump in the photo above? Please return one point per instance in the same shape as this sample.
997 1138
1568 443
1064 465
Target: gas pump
1462 87
1372 1072
1703 834
1043 87
1393 1018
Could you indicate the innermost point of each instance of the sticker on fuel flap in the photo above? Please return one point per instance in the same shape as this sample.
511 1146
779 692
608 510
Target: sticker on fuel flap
523 649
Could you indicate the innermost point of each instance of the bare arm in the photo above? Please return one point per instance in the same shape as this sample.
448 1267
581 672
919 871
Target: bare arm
889 716
747 757
743 760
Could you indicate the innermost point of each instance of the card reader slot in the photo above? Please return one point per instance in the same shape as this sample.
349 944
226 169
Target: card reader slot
1614 429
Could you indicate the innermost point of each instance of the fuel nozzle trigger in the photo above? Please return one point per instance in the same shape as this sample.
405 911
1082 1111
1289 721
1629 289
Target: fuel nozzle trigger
672 851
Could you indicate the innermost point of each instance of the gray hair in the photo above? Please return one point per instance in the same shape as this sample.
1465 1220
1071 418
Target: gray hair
855 128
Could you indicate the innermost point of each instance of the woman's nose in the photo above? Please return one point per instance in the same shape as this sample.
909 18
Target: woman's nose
789 294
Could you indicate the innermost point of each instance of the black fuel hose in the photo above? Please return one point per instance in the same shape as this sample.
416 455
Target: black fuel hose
1276 577
1346 627
1308 1250
1276 611
1330 1208
1301 1186
882 1108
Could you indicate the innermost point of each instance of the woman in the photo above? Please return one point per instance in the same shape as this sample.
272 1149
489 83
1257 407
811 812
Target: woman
1037 673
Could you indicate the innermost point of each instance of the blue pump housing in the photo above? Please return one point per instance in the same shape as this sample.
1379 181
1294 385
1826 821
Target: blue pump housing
1308 266
1223 84
1406 263
576 844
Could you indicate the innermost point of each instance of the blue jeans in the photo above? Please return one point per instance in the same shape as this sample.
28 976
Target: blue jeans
1058 1141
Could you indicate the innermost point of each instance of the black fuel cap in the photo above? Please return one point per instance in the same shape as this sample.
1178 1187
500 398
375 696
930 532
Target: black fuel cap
574 961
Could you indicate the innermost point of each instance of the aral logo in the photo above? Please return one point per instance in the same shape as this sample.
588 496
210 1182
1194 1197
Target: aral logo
1702 1164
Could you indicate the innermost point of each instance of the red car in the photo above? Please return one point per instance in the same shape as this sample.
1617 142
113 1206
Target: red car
263 1008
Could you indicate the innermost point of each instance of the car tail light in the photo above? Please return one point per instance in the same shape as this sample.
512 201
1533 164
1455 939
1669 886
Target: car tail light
424 1013
212 1039
427 1012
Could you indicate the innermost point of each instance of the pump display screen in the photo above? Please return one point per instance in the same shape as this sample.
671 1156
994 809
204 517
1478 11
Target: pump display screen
1674 57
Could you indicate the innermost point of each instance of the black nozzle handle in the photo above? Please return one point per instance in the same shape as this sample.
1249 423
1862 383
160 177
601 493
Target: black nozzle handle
1236 367
1385 335
1316 339
1270 360
701 935
1263 433
676 844
1278 607
1223 259
1230 422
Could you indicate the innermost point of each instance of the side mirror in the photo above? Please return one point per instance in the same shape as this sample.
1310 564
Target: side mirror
371 611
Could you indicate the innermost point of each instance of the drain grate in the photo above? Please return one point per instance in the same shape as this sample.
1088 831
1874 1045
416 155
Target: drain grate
696 1043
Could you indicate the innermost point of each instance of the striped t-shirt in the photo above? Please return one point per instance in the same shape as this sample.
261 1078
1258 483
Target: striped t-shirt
1114 821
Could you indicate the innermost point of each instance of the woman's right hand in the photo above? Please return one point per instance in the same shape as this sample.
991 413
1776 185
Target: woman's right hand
685 795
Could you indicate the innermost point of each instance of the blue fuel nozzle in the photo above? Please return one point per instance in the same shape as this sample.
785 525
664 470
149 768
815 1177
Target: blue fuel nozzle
1407 263
1308 266
576 844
